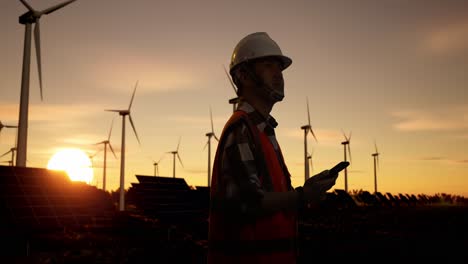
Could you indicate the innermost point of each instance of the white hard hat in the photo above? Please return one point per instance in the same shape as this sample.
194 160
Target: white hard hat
254 46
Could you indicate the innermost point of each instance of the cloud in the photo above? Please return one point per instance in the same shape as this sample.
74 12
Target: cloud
449 39
38 112
442 119
433 158
150 74
443 160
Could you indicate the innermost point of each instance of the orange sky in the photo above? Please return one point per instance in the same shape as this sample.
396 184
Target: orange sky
392 71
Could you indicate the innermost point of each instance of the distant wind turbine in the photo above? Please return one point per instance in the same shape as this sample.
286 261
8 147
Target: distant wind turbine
309 158
307 128
347 146
106 143
376 164
124 113
155 164
175 153
12 151
208 143
91 157
27 19
234 101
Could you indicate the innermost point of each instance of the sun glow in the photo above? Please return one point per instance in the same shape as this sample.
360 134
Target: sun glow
74 162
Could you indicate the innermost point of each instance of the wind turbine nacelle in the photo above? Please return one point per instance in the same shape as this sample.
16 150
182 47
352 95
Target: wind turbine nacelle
28 18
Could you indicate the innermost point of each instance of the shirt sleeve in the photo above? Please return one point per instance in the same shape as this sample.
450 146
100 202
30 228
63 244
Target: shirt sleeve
239 173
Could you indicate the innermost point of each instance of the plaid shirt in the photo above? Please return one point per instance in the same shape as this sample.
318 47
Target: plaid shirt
243 189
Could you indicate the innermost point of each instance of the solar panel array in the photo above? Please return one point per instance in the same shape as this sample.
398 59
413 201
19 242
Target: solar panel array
37 199
169 199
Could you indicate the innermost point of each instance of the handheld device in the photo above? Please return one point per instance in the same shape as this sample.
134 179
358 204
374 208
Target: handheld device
338 167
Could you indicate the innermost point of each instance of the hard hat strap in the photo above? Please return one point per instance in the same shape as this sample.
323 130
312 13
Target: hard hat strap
273 94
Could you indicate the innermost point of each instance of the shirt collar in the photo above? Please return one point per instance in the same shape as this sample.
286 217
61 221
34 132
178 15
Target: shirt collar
256 117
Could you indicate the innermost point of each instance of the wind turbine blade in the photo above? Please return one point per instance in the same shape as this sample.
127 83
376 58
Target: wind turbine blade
160 158
112 150
52 9
349 152
308 112
112 110
110 130
349 138
230 80
344 135
375 144
133 95
217 139
178 157
312 132
37 41
211 118
27 5
6 153
178 144
206 144
133 126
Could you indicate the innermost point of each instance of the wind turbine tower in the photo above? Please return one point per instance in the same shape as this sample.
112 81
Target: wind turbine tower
234 101
175 153
124 113
376 164
106 143
347 146
208 143
27 19
307 128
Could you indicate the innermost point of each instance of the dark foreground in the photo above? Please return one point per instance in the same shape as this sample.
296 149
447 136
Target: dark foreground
45 218
421 232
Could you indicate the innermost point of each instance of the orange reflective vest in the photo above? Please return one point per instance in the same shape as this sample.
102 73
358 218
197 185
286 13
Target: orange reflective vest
268 239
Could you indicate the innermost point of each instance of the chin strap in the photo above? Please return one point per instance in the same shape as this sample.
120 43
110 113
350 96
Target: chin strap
274 95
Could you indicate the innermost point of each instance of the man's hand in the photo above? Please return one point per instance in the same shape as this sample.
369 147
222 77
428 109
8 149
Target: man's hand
315 187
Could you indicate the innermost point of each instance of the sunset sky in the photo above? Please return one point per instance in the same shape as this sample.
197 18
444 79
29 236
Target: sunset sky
390 71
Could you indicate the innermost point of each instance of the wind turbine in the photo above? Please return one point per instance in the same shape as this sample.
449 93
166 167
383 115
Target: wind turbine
234 101
106 143
12 151
124 113
175 153
307 128
309 158
27 19
91 157
347 145
376 164
155 164
208 143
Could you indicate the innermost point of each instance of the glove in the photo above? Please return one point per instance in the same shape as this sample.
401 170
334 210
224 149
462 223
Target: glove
315 188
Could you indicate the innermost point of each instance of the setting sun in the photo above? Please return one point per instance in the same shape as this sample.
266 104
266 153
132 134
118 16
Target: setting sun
74 162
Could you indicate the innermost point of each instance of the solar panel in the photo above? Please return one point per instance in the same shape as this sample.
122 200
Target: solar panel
169 199
37 199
